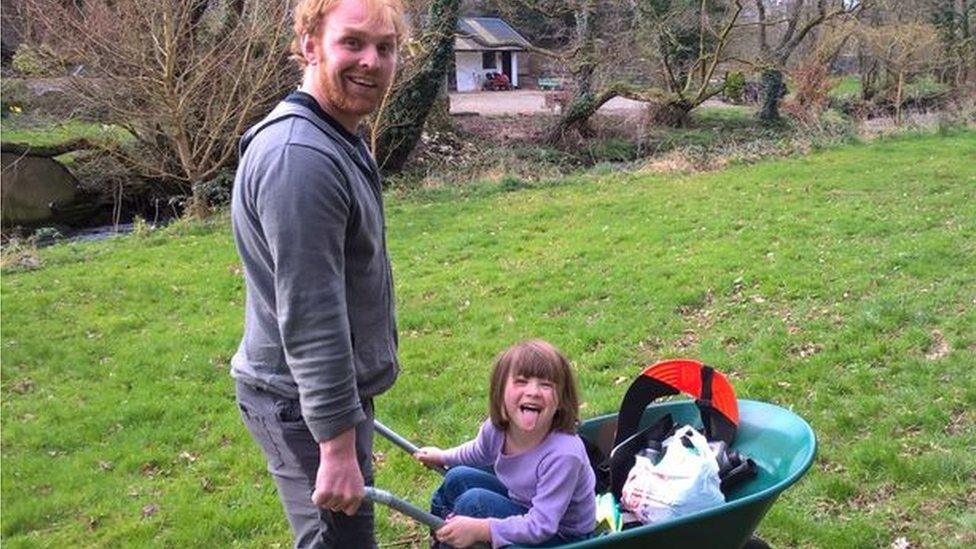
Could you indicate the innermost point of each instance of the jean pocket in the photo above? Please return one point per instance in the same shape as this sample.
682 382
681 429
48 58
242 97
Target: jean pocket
262 434
289 415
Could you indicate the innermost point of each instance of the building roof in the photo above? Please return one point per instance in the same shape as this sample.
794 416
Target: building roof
487 34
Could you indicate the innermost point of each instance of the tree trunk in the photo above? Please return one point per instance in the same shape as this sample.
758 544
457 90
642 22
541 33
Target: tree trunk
673 114
773 89
199 204
898 94
401 121
585 101
576 115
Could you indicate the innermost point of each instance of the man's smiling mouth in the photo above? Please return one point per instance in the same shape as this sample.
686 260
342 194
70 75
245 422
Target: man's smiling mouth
365 82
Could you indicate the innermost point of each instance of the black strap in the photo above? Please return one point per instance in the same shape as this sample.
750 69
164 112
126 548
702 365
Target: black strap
707 374
623 456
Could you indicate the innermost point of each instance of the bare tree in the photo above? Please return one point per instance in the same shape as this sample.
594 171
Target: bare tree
665 52
395 130
955 22
583 62
689 41
185 78
904 50
782 27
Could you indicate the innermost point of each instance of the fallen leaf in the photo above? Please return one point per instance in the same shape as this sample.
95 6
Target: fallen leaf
687 340
901 543
23 386
149 510
806 350
939 348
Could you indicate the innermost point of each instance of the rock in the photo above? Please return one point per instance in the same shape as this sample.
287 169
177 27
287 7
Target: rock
30 185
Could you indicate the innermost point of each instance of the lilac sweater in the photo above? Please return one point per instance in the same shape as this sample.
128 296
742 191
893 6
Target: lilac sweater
553 480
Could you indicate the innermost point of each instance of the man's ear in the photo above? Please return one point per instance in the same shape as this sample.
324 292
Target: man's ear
308 49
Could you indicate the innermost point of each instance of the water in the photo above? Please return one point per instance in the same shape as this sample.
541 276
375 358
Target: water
95 234
48 236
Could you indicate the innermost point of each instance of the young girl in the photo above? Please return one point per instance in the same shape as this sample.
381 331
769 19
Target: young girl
542 490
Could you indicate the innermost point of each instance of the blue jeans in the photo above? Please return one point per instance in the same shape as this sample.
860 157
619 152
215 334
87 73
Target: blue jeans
472 492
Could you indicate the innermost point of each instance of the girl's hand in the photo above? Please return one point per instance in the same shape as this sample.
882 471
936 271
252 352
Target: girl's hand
464 531
429 455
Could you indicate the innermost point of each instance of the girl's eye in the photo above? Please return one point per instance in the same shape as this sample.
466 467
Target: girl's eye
384 49
351 42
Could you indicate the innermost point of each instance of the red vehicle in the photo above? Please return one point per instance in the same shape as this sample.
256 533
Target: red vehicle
496 81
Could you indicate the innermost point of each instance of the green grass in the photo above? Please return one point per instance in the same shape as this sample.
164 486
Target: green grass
728 115
43 133
714 128
848 87
824 284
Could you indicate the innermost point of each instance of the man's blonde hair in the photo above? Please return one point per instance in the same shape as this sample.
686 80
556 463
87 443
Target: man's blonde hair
310 14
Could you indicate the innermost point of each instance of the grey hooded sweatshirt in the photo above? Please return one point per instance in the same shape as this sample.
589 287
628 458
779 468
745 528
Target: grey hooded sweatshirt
320 324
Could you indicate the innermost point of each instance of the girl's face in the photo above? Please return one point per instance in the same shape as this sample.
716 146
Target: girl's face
530 403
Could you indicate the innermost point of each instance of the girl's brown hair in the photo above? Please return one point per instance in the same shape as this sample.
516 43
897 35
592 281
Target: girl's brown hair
536 358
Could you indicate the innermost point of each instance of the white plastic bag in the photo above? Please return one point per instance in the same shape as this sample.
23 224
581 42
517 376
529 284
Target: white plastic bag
684 481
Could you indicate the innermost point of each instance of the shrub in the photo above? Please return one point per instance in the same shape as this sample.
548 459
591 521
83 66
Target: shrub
735 86
609 150
811 88
31 61
925 91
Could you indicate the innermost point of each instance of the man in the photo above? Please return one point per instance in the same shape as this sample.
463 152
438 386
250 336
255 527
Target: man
320 330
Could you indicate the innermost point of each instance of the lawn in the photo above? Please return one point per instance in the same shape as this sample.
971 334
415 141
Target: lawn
841 285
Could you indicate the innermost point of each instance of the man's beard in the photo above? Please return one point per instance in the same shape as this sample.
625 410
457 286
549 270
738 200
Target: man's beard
358 104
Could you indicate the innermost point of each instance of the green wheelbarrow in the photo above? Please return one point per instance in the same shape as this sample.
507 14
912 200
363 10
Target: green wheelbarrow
780 442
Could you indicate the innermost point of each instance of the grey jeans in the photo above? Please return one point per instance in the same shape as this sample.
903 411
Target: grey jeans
276 424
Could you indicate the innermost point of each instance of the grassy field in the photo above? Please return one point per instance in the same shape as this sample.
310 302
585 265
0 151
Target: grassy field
841 285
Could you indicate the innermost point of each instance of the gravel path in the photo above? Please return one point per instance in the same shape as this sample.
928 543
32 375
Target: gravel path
524 102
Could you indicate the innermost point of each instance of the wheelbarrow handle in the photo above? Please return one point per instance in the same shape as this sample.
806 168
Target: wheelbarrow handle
377 495
433 522
383 497
404 444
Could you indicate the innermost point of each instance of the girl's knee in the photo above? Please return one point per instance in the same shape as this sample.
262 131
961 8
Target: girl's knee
456 482
456 473
473 502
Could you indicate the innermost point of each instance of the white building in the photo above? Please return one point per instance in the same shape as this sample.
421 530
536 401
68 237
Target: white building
484 45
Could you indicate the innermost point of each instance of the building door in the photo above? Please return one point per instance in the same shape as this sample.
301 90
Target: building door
507 65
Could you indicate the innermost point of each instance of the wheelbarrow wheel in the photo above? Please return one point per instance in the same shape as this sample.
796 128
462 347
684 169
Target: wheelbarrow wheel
755 543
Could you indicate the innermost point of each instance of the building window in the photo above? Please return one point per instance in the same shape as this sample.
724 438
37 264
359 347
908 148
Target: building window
488 60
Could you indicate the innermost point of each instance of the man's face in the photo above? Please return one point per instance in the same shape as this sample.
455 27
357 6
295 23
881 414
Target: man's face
355 58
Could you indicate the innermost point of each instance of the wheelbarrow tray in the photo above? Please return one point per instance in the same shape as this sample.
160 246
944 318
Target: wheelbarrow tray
780 442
